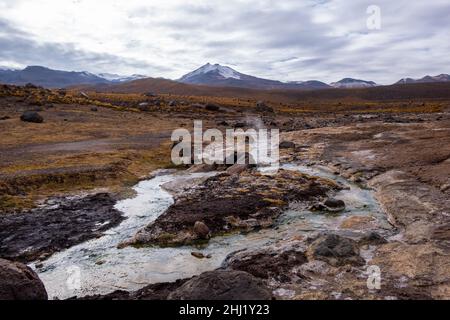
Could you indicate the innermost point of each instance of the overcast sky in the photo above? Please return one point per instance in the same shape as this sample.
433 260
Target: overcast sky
282 39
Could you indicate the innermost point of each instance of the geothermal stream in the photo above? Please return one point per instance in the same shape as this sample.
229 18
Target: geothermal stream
98 267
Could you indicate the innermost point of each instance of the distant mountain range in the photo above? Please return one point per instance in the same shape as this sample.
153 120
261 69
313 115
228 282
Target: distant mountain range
212 75
222 76
426 79
58 79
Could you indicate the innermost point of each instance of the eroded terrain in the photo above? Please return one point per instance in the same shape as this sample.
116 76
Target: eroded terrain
292 247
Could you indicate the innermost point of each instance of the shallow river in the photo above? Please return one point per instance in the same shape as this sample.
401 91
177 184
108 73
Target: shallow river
98 267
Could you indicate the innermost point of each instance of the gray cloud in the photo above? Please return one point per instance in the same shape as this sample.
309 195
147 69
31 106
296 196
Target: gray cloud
285 40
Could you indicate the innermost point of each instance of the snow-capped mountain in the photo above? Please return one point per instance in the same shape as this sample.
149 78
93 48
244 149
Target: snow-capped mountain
118 78
426 79
49 78
208 69
349 83
218 75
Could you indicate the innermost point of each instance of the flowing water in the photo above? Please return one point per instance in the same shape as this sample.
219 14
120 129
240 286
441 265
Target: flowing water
98 267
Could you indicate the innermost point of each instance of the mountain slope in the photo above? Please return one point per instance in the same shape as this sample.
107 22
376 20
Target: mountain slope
347 83
48 78
426 79
222 76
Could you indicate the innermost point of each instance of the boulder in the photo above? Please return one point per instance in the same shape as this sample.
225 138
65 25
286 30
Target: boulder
31 116
336 250
201 230
222 285
266 263
212 107
334 205
19 282
287 145
330 205
262 107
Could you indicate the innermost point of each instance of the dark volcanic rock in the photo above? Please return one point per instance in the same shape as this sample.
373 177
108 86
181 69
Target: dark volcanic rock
31 116
287 145
19 282
158 291
266 264
336 250
41 232
334 205
222 285
214 285
212 107
201 230
330 205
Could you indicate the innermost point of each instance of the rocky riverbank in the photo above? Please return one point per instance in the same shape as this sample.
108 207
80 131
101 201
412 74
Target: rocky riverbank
59 224
227 203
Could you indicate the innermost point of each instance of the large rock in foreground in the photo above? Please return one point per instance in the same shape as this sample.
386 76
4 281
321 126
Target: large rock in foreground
336 250
222 285
19 282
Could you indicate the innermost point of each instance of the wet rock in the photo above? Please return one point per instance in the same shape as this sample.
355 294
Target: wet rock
19 282
336 250
334 205
330 205
31 116
287 145
201 230
222 285
266 263
200 255
41 232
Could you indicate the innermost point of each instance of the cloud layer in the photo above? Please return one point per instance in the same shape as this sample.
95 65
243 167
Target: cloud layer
285 40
